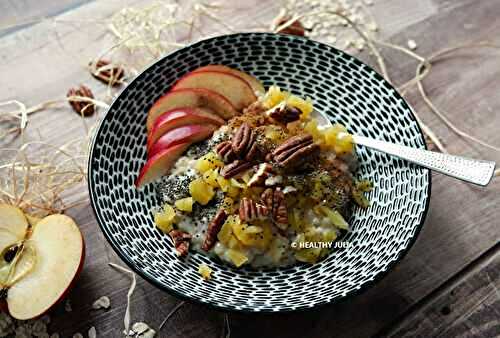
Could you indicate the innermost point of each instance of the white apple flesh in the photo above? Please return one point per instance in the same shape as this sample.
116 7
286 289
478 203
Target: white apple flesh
232 87
12 222
59 254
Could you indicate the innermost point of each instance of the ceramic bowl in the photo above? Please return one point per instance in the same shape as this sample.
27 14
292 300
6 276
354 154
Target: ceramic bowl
342 88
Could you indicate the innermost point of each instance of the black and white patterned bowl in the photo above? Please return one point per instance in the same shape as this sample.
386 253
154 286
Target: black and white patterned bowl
344 89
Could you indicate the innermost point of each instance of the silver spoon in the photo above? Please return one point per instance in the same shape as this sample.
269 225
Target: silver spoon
479 172
467 169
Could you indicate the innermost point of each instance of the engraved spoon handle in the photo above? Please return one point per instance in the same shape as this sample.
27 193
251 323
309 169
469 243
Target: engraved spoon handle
474 171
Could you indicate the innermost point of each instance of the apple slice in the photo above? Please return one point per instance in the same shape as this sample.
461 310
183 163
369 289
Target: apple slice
191 98
13 225
256 85
233 87
190 133
181 117
160 163
57 248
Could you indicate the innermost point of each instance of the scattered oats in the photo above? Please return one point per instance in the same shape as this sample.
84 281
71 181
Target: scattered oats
372 26
78 335
323 31
148 334
331 39
288 189
273 180
142 330
359 44
43 335
140 327
67 306
54 335
325 24
101 303
412 44
92 332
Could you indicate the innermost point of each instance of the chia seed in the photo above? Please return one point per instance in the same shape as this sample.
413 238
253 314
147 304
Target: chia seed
174 187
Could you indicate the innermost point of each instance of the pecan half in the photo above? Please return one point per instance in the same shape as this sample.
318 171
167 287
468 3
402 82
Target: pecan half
295 151
274 200
234 168
107 73
263 172
213 229
295 28
251 211
285 114
243 140
181 241
225 151
266 198
81 107
253 153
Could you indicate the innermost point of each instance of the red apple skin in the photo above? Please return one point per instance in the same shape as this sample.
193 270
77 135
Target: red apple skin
252 81
178 118
160 163
191 133
4 306
234 88
191 98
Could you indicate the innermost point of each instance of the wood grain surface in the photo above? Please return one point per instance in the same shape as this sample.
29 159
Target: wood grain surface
447 286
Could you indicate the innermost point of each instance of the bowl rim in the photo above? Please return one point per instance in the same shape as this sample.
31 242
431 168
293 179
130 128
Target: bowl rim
349 295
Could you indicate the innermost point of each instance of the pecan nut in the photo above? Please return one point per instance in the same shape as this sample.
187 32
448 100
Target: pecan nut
181 241
107 73
213 229
274 200
253 152
82 107
264 172
251 211
225 151
285 114
243 140
295 151
266 198
234 168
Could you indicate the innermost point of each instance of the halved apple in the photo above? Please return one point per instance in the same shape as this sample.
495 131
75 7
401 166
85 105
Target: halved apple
160 163
191 98
190 133
13 226
54 252
232 87
256 85
13 229
181 117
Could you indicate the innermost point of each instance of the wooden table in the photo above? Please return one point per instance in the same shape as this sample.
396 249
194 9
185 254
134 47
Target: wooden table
448 284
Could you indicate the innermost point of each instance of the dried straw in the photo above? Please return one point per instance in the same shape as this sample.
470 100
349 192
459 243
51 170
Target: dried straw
133 283
171 313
